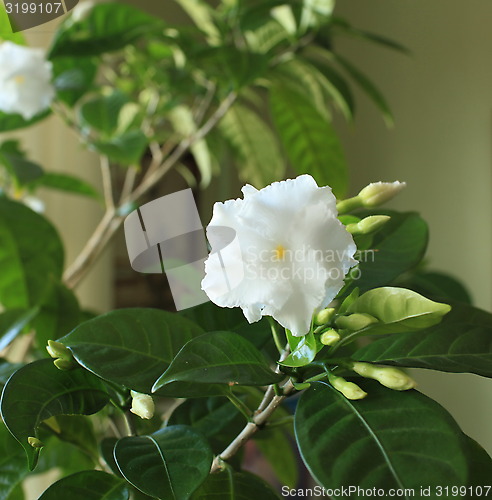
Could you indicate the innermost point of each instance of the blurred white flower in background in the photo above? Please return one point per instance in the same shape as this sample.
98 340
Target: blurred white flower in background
25 80
294 252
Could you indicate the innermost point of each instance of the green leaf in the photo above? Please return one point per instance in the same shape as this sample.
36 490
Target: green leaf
108 27
12 322
6 33
101 112
61 455
398 310
437 286
127 148
12 463
88 485
388 440
213 318
258 154
169 464
67 183
276 446
398 247
73 77
219 358
184 123
462 342
58 315
39 391
229 485
303 352
30 254
368 87
15 121
130 347
6 370
480 468
17 493
309 139
14 159
203 16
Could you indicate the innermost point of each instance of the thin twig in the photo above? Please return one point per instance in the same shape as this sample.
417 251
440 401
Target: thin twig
129 183
107 183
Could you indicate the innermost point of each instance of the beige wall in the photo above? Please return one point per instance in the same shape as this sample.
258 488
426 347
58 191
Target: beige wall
442 143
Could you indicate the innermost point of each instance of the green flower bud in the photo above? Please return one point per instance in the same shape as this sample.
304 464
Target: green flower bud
324 316
65 364
329 337
356 321
390 377
348 389
377 193
35 442
142 405
368 225
58 350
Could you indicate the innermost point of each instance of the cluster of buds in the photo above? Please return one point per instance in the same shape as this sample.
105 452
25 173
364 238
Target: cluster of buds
64 359
390 377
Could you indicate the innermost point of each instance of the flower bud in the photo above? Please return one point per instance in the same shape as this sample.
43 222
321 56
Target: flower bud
142 405
368 225
65 364
35 442
390 377
356 321
324 316
348 389
377 193
58 350
329 337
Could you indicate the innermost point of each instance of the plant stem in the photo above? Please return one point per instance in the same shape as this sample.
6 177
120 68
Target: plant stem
130 423
111 221
240 405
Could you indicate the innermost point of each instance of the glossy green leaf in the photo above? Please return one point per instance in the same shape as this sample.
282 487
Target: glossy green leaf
126 149
219 358
229 485
303 350
213 318
277 447
10 122
480 465
106 449
462 342
12 463
108 27
30 254
397 248
6 370
309 139
12 322
88 485
398 310
207 416
39 391
101 112
390 439
258 154
58 315
73 77
438 286
131 347
67 183
169 464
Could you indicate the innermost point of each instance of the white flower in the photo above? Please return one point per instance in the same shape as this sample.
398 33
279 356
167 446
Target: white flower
289 255
25 80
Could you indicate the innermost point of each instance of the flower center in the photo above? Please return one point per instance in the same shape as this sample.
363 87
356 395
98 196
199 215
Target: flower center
19 79
279 252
